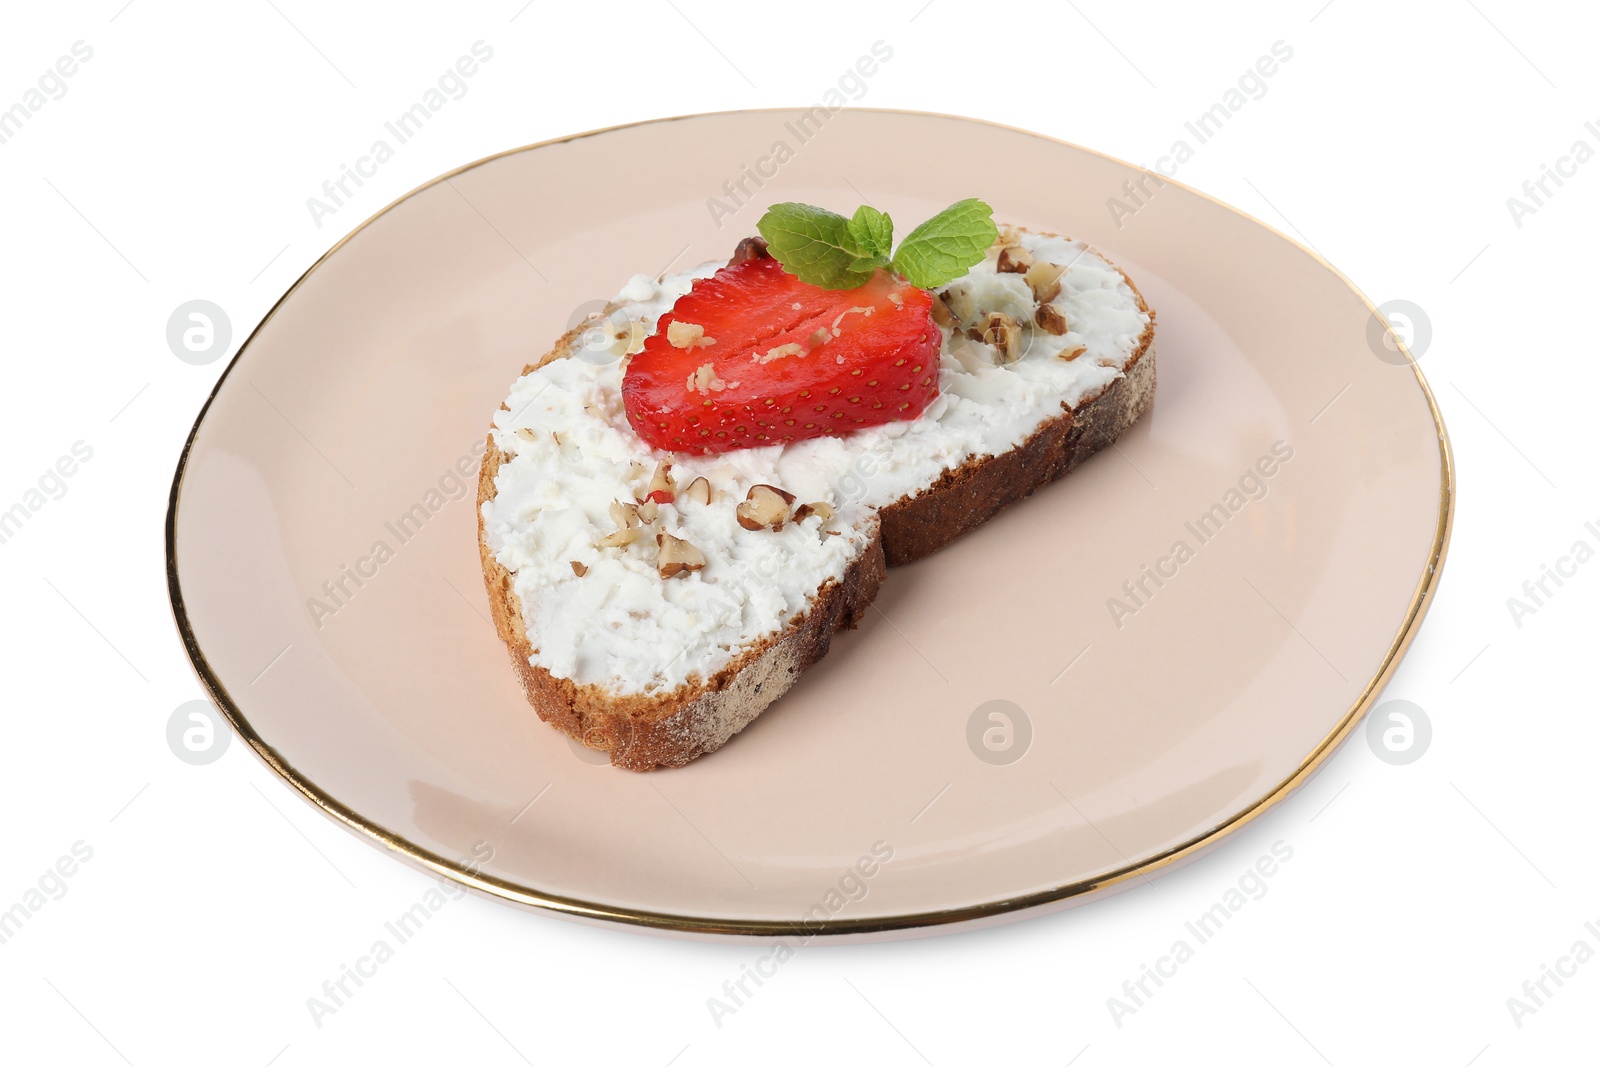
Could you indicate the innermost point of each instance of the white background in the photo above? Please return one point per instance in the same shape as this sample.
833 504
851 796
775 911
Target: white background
177 166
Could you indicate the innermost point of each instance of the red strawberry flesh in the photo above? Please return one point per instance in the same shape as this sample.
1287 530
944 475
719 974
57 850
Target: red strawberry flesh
863 357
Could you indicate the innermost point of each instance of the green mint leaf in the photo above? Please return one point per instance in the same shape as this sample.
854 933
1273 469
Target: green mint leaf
873 233
947 245
815 245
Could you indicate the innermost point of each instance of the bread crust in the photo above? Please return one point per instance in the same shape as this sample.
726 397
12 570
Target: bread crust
643 732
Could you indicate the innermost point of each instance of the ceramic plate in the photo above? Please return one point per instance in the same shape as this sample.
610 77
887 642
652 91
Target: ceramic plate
1096 686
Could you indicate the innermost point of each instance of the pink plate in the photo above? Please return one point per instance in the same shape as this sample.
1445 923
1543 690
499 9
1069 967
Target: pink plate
1096 686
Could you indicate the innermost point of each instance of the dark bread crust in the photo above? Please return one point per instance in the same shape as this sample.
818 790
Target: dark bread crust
668 730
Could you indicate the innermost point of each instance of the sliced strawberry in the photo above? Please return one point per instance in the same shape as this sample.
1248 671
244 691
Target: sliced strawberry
776 360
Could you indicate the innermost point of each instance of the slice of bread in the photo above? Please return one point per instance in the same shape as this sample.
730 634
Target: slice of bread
657 670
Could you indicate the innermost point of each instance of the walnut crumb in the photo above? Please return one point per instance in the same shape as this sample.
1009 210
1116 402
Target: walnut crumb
677 556
688 335
780 352
1014 259
1050 319
1044 280
704 380
765 507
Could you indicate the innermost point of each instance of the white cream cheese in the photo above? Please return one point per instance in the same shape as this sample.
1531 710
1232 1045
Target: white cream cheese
571 452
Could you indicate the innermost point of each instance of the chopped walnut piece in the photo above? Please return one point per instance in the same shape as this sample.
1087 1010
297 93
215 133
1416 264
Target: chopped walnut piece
626 516
819 508
1072 352
1045 280
790 349
941 312
1001 331
682 334
649 511
699 491
677 556
625 536
1014 259
579 569
765 507
663 487
704 380
1050 319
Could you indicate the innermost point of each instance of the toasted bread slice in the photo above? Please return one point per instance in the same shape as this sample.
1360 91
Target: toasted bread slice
657 664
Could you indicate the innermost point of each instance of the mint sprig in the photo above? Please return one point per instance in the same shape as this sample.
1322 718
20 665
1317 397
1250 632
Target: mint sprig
825 249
